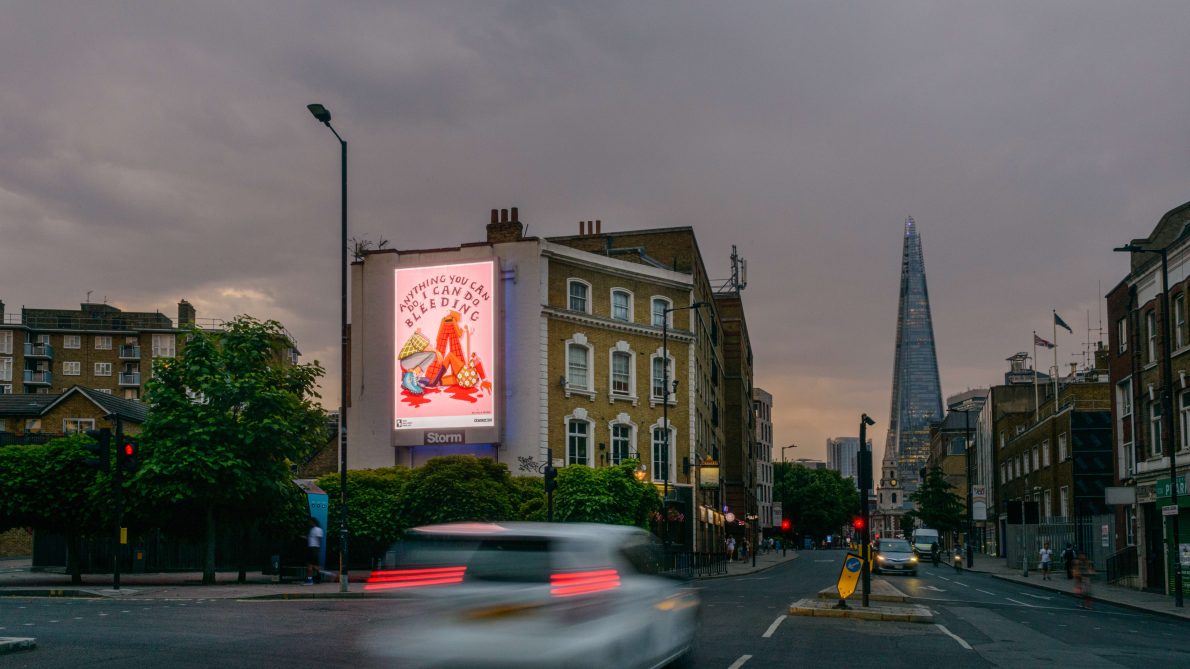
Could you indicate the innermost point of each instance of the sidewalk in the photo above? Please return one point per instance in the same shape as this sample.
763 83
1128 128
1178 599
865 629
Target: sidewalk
763 562
1100 591
17 579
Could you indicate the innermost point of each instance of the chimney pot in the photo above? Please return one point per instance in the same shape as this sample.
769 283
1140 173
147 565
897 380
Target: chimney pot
598 226
582 228
515 215
495 219
503 215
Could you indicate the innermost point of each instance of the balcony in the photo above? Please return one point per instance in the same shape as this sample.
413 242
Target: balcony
37 350
38 378
130 378
129 352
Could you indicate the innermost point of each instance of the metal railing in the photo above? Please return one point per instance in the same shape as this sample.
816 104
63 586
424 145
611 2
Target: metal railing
128 352
694 565
1123 564
33 376
36 350
130 378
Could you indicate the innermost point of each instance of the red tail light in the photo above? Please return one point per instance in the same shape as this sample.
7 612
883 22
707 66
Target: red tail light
583 582
412 578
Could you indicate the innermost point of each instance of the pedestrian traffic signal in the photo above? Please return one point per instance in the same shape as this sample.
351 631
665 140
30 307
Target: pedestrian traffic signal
551 478
101 449
858 523
126 455
786 524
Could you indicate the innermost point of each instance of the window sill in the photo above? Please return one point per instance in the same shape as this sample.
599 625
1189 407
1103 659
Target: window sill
589 394
654 401
612 398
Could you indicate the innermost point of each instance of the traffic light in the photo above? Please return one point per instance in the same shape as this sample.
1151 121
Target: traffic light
126 455
101 449
551 478
786 525
858 523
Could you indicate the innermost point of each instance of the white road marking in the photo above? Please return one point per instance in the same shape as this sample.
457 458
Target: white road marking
1034 596
773 628
932 587
944 578
1019 602
952 635
986 592
740 662
962 584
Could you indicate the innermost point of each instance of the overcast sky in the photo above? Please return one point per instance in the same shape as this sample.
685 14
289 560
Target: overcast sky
155 151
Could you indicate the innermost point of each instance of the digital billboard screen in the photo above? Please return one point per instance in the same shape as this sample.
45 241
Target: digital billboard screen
445 335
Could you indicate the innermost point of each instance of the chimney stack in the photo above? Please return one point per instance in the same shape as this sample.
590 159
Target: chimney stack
504 229
186 314
598 226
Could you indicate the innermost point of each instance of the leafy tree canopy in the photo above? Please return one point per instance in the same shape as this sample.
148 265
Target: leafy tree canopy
937 506
818 501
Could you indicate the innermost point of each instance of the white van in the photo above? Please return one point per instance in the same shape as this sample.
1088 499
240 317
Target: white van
923 539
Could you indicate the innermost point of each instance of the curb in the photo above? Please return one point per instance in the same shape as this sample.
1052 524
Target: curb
281 596
50 592
13 644
906 613
1123 605
748 573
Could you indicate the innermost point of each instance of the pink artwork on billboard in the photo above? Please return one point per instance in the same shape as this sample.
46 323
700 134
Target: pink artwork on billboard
445 341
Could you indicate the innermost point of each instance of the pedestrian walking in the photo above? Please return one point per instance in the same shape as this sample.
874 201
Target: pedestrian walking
1083 571
1068 558
731 549
313 552
1046 558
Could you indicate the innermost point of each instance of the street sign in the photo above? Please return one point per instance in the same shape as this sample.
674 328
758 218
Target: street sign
778 513
1163 487
1169 510
849 575
979 491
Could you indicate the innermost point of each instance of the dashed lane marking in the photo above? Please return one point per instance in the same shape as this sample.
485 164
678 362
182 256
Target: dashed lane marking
773 628
986 592
1014 601
740 662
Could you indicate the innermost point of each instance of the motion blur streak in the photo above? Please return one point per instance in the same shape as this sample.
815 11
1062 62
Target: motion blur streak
407 578
583 582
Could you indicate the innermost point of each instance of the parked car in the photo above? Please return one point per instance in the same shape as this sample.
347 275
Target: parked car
894 555
533 594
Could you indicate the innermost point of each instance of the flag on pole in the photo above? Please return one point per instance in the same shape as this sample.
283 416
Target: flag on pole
1061 323
1038 341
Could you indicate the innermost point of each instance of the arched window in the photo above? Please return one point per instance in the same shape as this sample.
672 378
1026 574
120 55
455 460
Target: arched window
623 439
660 305
662 452
579 434
579 372
622 372
621 305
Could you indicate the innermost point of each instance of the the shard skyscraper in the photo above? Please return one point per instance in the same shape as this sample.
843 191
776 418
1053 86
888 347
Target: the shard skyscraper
916 392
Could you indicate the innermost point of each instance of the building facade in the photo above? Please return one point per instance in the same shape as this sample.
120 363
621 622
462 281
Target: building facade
916 391
762 406
98 346
581 350
1145 433
842 455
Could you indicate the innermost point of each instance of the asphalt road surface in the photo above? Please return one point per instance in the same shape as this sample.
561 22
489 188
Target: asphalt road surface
980 622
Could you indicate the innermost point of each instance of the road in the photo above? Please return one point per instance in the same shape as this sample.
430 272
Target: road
981 622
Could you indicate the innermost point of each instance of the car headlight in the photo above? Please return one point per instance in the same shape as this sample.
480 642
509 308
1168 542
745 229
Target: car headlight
913 558
880 558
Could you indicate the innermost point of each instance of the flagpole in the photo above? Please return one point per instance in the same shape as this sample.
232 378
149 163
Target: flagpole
1036 400
1056 371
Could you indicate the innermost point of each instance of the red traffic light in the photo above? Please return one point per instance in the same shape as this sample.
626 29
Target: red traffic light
129 450
858 523
786 525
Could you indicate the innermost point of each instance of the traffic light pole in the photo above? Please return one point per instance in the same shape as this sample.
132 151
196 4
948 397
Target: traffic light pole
865 485
549 485
118 485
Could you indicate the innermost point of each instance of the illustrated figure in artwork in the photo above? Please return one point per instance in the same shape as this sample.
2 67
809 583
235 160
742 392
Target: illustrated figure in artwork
447 364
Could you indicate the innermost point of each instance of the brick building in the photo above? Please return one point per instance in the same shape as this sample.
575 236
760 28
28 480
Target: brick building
587 328
96 346
42 416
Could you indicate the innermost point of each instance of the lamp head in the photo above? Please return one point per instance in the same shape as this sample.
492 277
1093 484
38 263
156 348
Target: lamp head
321 113
868 420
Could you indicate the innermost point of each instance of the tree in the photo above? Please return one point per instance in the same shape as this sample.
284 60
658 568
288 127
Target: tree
49 487
818 501
937 506
458 487
374 513
609 495
226 418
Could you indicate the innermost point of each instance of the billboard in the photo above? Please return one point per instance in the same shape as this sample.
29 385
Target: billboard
445 339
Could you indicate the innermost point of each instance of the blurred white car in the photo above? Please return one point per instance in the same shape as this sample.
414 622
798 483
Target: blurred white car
532 594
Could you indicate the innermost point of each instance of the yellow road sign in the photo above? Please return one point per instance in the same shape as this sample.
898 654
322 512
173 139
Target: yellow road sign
849 575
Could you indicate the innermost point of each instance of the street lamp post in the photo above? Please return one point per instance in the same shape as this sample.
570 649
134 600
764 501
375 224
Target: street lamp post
1167 409
970 495
665 391
865 485
785 448
323 115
